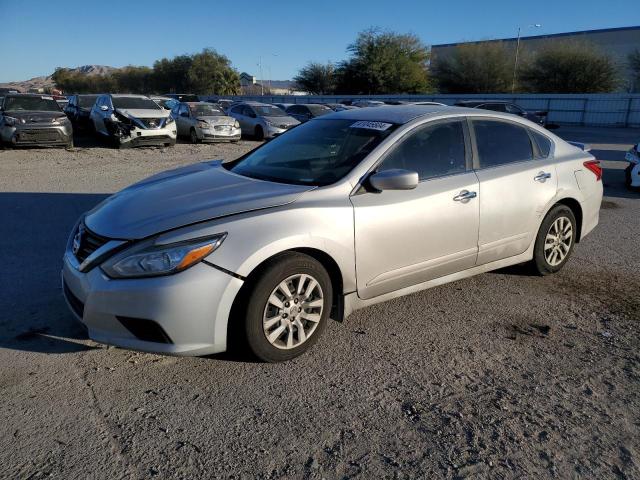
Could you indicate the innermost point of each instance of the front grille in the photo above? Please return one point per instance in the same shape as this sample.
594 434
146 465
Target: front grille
150 140
145 329
74 302
284 126
89 243
38 135
152 122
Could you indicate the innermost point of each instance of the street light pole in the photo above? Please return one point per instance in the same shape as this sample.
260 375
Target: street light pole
515 63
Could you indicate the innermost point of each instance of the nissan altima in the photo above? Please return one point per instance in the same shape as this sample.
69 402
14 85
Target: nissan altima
345 211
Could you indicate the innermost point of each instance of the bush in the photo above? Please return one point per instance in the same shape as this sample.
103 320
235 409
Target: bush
485 67
316 78
570 67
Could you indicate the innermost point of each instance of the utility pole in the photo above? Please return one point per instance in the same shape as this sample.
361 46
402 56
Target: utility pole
261 76
515 63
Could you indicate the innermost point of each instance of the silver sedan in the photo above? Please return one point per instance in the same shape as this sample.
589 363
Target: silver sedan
205 122
345 211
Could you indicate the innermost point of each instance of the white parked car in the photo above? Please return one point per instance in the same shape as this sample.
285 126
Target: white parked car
633 170
133 120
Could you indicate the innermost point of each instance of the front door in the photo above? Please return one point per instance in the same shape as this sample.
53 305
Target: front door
406 237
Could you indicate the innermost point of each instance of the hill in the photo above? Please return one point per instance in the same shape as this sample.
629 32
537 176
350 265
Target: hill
46 82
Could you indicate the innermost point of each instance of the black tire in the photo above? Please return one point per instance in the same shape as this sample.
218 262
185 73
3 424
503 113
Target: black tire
274 272
259 133
540 263
193 136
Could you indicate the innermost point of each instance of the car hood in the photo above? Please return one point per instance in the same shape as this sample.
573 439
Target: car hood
218 120
143 113
187 195
286 120
34 116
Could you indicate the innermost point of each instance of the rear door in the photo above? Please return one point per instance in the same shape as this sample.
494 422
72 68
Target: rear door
517 182
406 237
183 120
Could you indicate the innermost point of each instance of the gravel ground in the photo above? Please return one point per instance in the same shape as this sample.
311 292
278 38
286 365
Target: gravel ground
503 375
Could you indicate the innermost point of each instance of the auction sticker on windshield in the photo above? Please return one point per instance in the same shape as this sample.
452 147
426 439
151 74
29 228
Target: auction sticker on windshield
371 125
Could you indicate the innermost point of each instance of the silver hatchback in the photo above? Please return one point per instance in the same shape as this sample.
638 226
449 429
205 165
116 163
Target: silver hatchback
345 211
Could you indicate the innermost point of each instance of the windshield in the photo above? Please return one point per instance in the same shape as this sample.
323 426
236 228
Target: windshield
135 102
42 104
205 110
268 111
86 100
319 152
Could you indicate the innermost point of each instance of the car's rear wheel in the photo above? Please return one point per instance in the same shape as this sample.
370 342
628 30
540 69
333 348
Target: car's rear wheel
288 307
259 133
555 240
194 136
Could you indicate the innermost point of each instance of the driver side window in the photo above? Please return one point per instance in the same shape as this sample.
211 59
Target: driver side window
431 150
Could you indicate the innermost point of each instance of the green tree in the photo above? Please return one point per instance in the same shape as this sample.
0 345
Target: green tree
570 67
212 73
485 67
133 79
170 75
316 78
634 66
384 62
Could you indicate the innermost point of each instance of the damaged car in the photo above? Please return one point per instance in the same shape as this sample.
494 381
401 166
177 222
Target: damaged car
205 122
133 121
33 120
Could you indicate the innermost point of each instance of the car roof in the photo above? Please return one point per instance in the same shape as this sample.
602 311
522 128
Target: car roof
198 103
398 114
481 102
252 102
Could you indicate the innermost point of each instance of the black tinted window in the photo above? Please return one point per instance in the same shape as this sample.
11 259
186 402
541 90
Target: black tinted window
496 107
432 151
135 103
500 143
544 144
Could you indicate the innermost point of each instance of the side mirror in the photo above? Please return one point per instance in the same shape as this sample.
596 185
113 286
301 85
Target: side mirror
104 108
396 179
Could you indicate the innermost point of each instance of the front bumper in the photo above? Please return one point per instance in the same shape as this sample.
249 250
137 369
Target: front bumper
273 131
191 308
213 134
29 135
140 137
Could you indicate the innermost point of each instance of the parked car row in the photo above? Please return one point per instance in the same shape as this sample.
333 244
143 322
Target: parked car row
134 120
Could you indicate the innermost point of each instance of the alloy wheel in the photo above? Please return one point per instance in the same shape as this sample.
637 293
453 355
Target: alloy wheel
558 241
293 311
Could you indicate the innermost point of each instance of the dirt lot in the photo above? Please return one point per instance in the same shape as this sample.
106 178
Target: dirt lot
503 375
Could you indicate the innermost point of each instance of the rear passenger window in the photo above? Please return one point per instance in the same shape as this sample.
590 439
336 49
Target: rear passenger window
500 143
544 144
432 151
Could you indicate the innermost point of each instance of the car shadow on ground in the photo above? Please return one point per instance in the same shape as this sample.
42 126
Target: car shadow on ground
34 316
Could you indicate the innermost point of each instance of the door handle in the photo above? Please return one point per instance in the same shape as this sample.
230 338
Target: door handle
542 177
465 196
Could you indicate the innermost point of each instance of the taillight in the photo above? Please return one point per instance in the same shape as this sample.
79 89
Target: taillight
594 166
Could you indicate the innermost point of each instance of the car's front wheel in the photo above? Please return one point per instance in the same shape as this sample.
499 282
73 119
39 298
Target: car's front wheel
555 240
193 135
288 307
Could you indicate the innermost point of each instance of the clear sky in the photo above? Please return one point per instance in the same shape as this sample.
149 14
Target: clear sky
39 35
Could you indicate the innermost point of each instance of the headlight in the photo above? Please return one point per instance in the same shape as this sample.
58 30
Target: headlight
169 120
269 123
59 120
236 124
148 260
11 121
203 124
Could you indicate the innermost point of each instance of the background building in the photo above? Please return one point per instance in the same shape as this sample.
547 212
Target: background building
617 42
